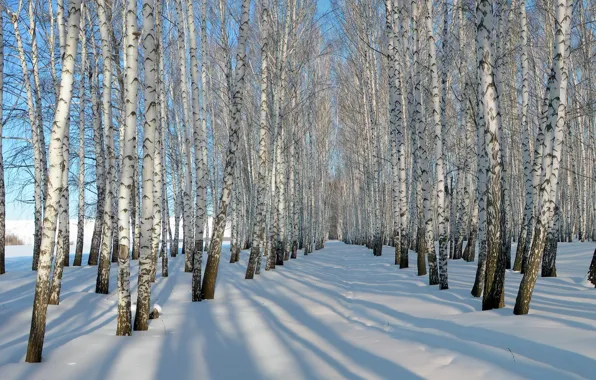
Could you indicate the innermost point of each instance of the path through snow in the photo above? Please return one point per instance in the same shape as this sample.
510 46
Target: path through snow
337 313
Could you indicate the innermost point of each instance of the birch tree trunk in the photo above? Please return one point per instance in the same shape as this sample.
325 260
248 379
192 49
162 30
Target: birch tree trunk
102 284
36 140
438 142
163 197
81 178
554 134
528 207
63 246
482 165
196 254
39 144
495 267
157 169
187 246
279 226
98 144
141 322
401 133
208 288
428 246
394 111
129 158
38 318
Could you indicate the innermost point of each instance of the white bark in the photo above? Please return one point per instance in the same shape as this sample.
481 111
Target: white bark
38 149
129 157
438 122
149 128
103 270
553 142
188 209
38 319
208 288
199 145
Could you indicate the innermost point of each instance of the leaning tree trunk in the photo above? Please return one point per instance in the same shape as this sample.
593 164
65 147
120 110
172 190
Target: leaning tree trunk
554 134
40 306
37 145
208 288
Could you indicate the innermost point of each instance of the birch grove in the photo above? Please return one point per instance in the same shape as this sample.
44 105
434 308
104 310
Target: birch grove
444 130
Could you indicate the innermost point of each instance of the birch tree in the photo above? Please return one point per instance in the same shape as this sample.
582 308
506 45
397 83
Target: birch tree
554 123
102 284
199 144
495 267
81 153
438 142
258 238
129 157
208 286
38 318
149 129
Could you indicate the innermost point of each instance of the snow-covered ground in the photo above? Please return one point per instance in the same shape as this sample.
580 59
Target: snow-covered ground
339 313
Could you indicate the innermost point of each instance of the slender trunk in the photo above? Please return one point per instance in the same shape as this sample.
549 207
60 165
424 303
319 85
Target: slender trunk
42 285
555 122
199 144
41 170
438 121
129 158
528 207
141 322
37 146
81 179
495 269
187 246
163 196
63 246
102 284
98 145
208 288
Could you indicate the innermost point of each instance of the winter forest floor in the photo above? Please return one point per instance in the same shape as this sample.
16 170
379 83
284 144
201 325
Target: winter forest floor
337 313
